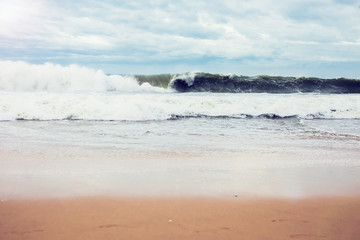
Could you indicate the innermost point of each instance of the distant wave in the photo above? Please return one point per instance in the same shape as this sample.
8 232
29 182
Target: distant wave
22 76
206 82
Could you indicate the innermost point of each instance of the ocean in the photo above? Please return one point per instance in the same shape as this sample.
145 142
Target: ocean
76 131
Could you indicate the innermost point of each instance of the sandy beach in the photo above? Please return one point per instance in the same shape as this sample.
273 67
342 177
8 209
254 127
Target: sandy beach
81 180
180 218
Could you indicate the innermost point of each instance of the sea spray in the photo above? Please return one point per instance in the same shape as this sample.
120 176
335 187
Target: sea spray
22 76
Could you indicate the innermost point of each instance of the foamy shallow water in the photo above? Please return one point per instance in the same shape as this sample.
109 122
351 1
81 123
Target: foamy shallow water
186 157
145 106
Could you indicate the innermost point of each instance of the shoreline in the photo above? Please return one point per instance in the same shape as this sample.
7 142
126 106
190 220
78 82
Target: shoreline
292 180
180 218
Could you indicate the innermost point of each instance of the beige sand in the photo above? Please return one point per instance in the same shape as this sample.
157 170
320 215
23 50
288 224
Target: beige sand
189 218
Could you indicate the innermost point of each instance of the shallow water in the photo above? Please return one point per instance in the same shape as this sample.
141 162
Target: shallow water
186 157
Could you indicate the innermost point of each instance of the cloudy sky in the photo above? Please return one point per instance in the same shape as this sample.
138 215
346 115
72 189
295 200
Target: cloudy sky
250 37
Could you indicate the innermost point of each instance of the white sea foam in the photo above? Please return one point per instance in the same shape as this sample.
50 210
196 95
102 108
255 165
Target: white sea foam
22 76
188 77
161 106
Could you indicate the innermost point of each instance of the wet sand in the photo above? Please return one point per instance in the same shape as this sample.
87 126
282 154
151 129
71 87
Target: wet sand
291 184
180 218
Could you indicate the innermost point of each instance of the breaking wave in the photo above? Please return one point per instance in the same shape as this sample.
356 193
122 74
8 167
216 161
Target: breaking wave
53 92
206 82
21 76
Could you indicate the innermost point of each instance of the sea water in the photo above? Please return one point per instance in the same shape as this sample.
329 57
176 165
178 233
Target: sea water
73 131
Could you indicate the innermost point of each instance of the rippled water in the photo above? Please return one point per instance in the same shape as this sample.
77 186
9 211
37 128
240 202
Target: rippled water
185 157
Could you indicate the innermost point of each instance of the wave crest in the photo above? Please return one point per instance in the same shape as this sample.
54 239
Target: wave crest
206 82
22 76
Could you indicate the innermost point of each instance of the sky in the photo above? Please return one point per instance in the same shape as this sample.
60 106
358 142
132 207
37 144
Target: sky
247 37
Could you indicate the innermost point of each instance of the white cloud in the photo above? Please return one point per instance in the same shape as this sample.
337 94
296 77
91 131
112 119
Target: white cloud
162 30
348 43
19 18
